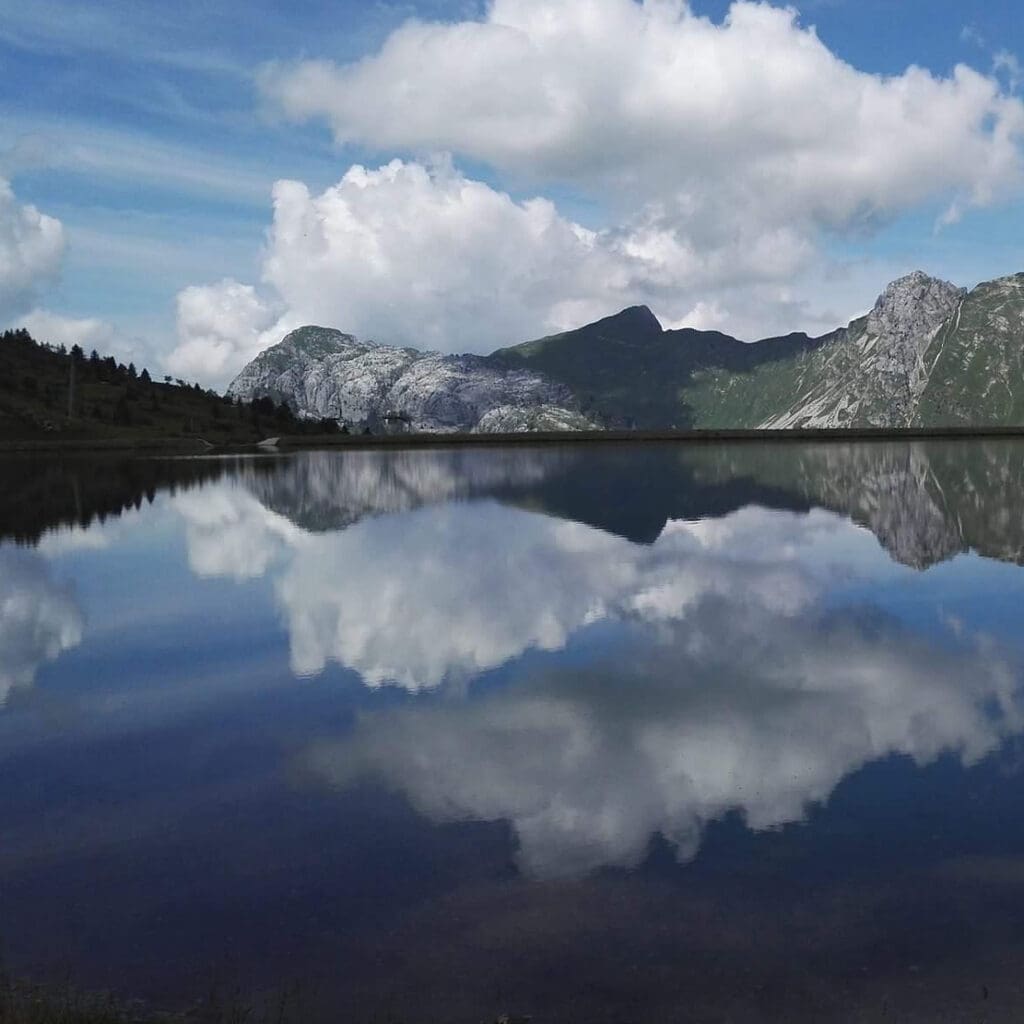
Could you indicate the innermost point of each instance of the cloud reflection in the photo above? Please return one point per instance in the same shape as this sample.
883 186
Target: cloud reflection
452 590
741 677
730 708
39 618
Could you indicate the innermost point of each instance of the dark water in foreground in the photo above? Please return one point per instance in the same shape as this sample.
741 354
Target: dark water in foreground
591 733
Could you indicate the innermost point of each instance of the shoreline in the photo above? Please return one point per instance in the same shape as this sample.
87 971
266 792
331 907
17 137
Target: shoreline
149 445
199 446
628 436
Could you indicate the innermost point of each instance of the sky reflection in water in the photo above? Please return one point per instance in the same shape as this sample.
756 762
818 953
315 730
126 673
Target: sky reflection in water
327 715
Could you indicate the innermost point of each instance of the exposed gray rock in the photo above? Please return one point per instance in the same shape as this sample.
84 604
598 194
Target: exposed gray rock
515 419
325 373
875 375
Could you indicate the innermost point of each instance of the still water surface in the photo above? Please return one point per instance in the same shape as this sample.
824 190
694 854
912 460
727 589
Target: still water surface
603 733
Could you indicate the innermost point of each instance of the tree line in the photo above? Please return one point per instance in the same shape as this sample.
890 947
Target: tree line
52 390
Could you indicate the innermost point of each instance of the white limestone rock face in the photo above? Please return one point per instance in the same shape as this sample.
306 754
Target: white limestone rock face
875 374
323 373
515 419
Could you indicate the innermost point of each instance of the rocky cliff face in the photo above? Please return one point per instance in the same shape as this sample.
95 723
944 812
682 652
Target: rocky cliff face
873 374
324 373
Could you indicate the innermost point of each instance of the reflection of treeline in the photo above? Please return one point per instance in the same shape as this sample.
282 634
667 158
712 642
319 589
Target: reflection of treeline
37 495
48 391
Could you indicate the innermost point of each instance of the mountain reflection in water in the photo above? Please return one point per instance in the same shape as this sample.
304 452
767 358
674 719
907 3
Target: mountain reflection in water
396 719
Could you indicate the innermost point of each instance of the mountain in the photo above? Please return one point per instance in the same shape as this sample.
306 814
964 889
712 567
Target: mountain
627 370
928 354
322 372
977 359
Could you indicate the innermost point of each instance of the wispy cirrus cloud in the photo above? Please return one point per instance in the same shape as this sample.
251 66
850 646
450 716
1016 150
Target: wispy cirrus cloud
117 154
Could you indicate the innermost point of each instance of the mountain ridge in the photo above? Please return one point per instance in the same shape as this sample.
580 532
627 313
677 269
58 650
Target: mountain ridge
928 353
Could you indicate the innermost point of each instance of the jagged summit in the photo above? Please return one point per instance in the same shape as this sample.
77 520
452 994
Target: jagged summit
912 306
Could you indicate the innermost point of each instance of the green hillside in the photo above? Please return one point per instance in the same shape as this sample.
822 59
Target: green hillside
976 362
627 372
722 398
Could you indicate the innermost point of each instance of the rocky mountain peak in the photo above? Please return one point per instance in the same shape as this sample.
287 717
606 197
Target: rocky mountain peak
313 340
637 321
913 307
325 373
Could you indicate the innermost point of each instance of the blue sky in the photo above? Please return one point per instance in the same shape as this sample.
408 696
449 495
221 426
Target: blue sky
151 133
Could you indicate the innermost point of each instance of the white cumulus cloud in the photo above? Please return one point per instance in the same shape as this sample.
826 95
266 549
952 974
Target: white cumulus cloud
419 254
89 333
415 254
718 157
220 328
652 99
31 248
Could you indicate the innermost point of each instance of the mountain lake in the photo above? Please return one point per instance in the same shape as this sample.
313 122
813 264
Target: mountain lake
595 732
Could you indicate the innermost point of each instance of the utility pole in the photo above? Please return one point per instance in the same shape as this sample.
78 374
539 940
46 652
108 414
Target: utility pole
71 387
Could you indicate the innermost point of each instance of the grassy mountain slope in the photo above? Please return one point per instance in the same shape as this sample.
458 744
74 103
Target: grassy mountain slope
721 398
627 371
976 362
873 374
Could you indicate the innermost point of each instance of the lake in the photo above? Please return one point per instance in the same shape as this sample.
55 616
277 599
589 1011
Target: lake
597 732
